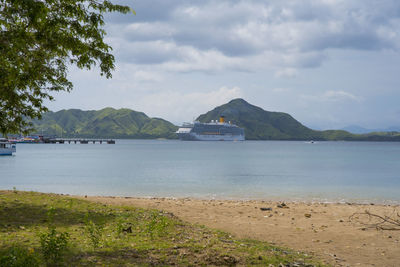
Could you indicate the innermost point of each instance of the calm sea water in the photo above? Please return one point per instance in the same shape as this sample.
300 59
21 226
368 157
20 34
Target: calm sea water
323 171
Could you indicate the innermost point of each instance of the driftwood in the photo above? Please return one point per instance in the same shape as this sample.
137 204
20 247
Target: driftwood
379 222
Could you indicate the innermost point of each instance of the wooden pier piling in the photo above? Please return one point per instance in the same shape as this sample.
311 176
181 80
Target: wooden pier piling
78 140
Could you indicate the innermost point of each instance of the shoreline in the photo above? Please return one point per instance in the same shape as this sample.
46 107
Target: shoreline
287 199
386 203
324 230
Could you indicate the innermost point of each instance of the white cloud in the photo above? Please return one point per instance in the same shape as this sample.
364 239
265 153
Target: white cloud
281 90
204 61
147 31
333 96
340 96
286 73
178 107
176 50
146 76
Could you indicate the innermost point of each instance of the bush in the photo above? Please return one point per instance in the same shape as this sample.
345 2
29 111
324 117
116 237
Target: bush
54 245
18 257
157 225
95 232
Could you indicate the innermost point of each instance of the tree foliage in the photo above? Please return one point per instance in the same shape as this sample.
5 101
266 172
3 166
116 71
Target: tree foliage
38 40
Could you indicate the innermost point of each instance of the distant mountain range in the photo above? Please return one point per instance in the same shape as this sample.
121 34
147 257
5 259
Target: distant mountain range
361 130
265 125
259 124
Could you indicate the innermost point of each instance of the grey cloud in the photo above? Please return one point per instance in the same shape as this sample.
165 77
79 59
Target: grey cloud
140 32
147 52
301 31
227 44
148 10
304 60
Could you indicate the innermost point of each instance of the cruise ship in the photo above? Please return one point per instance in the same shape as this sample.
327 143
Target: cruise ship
212 131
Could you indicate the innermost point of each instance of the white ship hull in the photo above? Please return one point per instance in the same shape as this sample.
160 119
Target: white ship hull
209 137
213 131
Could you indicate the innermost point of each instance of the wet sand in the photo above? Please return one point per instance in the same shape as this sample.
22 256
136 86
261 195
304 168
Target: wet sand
326 231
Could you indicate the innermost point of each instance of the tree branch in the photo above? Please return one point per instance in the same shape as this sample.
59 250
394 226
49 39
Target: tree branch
379 222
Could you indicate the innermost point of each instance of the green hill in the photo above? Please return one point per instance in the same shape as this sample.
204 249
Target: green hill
260 124
265 125
125 123
105 123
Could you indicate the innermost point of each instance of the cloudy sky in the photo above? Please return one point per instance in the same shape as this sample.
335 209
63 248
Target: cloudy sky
329 63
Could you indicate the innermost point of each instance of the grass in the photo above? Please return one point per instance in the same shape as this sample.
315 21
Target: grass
46 229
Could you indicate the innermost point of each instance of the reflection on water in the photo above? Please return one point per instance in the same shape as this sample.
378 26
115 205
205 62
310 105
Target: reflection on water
328 171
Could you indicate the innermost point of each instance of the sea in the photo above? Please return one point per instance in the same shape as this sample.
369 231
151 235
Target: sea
356 172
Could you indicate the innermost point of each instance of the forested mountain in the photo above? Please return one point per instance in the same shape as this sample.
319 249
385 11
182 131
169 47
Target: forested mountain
260 124
105 123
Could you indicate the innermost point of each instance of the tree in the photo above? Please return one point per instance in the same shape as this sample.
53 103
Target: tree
38 40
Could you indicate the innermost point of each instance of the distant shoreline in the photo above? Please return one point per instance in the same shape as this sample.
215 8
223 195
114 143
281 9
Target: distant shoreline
249 140
258 124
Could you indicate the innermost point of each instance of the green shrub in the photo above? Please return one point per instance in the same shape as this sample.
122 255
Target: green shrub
54 245
157 225
18 257
95 232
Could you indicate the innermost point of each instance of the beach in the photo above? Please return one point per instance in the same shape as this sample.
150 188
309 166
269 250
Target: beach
338 234
225 183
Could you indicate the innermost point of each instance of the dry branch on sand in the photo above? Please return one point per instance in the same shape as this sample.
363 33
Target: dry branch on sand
380 222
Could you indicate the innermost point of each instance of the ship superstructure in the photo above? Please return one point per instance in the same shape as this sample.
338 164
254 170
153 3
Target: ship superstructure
212 131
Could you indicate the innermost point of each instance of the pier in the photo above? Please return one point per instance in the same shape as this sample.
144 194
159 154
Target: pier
77 140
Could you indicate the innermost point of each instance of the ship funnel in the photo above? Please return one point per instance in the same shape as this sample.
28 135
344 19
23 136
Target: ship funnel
222 119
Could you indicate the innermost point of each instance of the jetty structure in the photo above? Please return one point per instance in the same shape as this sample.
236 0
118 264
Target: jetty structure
77 140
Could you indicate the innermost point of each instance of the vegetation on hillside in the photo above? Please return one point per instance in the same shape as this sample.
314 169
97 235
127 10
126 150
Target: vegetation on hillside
125 123
52 230
105 123
265 125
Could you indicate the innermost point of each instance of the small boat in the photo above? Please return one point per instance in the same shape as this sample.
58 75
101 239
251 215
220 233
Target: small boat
7 148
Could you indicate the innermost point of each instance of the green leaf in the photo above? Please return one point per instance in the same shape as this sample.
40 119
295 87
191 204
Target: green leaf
38 39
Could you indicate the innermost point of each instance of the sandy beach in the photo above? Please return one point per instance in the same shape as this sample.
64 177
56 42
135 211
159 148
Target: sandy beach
326 231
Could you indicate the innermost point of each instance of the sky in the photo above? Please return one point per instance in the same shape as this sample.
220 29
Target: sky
328 63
